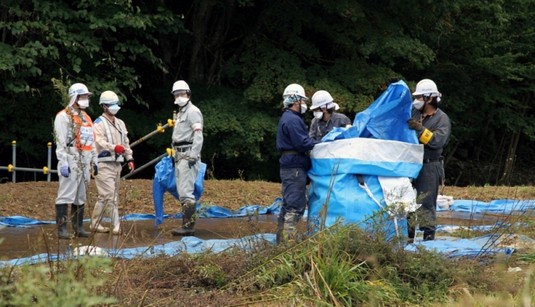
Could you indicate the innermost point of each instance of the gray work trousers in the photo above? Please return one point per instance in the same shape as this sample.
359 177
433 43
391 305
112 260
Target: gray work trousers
185 176
426 184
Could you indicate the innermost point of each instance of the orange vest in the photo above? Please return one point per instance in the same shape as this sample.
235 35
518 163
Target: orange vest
84 135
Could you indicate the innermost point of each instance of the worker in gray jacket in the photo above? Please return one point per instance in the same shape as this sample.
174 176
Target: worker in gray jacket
187 144
325 117
433 128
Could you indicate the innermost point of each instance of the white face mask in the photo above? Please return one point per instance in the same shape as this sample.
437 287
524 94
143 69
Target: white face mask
318 114
181 101
304 108
417 104
113 109
83 103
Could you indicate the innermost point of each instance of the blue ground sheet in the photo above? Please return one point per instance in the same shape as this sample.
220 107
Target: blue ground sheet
449 246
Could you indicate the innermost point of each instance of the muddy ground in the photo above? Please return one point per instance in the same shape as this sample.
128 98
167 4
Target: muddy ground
36 199
180 281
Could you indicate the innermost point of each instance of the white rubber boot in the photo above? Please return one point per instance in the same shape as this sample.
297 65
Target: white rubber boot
96 219
115 221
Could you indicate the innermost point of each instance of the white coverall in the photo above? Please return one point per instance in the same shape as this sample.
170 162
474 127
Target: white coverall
75 148
187 143
110 131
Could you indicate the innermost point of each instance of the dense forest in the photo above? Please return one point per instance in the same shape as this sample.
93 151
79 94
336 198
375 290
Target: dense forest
238 56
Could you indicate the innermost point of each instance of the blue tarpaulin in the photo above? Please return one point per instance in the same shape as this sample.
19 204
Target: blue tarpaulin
165 181
190 245
347 167
456 247
450 246
502 206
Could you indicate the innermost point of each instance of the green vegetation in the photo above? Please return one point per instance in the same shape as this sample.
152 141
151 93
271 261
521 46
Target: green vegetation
339 266
74 282
239 55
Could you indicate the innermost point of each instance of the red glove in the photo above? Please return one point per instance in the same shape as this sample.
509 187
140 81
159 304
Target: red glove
131 165
119 149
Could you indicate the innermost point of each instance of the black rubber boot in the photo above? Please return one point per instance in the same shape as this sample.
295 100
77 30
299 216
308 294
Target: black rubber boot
280 228
188 220
78 221
411 229
429 235
61 221
289 229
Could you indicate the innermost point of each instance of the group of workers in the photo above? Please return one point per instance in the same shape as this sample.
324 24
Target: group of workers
103 147
294 141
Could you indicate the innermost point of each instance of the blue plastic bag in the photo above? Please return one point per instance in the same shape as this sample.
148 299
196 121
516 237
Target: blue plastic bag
165 181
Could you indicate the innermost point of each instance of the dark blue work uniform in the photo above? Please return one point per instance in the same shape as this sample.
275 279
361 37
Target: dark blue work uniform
294 144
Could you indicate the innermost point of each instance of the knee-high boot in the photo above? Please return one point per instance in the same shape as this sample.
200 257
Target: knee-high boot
61 221
287 232
188 220
78 221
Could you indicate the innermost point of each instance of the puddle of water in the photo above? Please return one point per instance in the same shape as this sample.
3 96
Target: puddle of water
26 242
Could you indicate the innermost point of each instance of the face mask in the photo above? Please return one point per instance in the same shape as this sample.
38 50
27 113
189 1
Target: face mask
318 114
83 103
304 108
113 109
417 104
181 101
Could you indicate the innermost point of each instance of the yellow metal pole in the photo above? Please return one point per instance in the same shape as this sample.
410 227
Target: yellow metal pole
159 129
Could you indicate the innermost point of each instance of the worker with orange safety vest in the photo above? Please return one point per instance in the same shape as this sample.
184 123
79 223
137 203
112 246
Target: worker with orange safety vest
77 156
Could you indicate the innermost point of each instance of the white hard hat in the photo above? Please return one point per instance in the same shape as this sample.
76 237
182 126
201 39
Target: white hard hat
321 98
76 90
108 97
180 85
293 93
336 106
426 87
294 89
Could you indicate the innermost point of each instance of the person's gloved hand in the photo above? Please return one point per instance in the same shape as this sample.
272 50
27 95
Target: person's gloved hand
119 149
131 165
415 125
191 162
95 169
65 170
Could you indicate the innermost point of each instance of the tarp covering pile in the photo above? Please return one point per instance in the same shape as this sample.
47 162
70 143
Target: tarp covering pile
361 174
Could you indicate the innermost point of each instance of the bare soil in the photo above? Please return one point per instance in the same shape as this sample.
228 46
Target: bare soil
36 199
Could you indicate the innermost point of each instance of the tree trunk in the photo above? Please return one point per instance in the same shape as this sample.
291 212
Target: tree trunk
510 159
210 25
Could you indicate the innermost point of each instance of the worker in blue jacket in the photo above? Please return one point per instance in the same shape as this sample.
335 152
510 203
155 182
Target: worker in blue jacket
294 144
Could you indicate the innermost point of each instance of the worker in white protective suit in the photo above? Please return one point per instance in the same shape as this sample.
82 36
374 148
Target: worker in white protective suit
77 156
113 149
187 144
